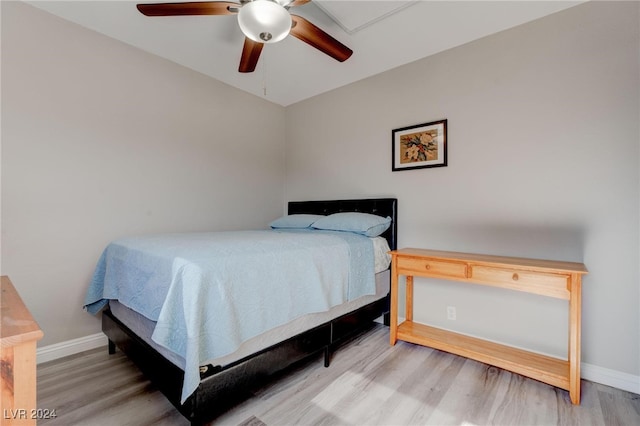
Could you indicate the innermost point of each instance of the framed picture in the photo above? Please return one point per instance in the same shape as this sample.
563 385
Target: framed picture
419 146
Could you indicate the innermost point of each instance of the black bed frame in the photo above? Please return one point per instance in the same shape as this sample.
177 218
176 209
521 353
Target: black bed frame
223 386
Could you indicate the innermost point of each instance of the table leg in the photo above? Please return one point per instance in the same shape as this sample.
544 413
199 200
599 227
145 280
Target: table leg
409 303
393 321
574 337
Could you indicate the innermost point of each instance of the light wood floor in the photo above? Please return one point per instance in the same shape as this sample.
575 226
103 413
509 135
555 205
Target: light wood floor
368 383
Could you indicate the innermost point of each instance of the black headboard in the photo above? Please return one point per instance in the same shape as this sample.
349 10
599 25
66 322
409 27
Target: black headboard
379 206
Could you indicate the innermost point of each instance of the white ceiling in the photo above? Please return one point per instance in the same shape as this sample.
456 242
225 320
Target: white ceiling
382 34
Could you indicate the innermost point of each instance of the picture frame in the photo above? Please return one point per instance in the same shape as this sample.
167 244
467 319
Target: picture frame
419 146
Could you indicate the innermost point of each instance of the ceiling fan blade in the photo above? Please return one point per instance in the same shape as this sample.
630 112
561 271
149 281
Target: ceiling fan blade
298 3
188 8
314 36
250 55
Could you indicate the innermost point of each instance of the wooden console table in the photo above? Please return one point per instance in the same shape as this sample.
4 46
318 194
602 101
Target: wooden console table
543 277
18 336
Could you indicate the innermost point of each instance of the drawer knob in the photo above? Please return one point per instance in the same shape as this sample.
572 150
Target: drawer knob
427 266
515 277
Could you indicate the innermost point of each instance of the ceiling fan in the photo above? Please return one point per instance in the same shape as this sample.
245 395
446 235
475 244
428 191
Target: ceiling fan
261 21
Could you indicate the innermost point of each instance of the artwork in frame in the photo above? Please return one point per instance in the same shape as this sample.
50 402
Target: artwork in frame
420 146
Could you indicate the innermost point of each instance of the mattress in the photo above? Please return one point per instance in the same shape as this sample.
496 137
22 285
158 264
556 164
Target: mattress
143 327
207 302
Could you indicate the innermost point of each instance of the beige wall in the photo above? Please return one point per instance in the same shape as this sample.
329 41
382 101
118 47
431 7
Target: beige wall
543 162
101 140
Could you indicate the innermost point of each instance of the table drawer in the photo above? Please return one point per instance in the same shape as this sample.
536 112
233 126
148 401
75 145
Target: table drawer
554 285
433 268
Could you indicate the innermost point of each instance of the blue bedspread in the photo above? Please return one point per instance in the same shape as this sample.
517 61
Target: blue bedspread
209 292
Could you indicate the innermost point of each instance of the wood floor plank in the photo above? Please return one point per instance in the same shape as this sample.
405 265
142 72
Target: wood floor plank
347 359
538 398
422 391
98 388
369 382
618 409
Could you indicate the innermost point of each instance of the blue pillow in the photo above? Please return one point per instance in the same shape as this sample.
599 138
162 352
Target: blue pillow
367 224
295 221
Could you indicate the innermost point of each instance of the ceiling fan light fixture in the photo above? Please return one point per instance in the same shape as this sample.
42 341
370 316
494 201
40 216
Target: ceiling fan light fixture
264 21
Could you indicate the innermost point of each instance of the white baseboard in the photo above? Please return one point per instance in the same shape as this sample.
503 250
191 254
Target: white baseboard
70 347
605 376
613 378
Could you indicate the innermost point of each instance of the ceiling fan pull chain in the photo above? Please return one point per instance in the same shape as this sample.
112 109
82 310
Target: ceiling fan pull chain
264 75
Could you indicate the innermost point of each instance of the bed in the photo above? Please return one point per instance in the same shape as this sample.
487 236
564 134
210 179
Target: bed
231 374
